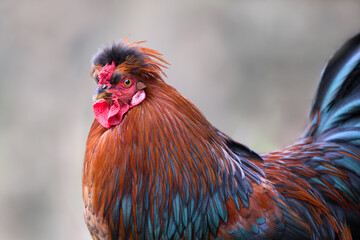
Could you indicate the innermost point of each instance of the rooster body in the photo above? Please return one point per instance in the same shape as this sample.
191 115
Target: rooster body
155 168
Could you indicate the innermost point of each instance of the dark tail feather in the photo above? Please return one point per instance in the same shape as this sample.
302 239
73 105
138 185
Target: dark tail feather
336 107
335 118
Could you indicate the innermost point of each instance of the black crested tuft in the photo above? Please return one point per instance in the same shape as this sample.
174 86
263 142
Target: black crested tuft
117 53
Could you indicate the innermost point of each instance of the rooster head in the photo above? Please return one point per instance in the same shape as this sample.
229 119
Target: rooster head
121 72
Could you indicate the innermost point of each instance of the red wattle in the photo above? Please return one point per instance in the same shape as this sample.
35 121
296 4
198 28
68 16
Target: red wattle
109 115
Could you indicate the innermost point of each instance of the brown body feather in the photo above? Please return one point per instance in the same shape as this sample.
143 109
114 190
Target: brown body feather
287 170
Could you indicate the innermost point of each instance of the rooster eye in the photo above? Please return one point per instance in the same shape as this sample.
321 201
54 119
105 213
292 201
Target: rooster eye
127 82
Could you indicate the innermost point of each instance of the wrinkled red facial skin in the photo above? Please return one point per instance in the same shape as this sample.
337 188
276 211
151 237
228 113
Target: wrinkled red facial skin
123 98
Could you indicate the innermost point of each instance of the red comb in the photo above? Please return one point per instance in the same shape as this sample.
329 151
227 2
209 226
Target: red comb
106 73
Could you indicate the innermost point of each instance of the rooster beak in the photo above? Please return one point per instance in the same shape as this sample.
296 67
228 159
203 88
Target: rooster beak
99 93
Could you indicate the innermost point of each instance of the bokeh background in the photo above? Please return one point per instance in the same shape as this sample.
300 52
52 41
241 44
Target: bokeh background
251 66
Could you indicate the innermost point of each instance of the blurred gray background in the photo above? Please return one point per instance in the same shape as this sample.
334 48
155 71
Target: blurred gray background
251 66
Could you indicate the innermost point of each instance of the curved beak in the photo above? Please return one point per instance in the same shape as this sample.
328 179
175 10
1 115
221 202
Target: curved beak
99 93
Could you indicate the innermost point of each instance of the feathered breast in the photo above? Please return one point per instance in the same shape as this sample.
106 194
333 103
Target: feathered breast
162 160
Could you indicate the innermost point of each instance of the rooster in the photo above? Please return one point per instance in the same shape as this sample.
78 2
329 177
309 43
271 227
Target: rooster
155 168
